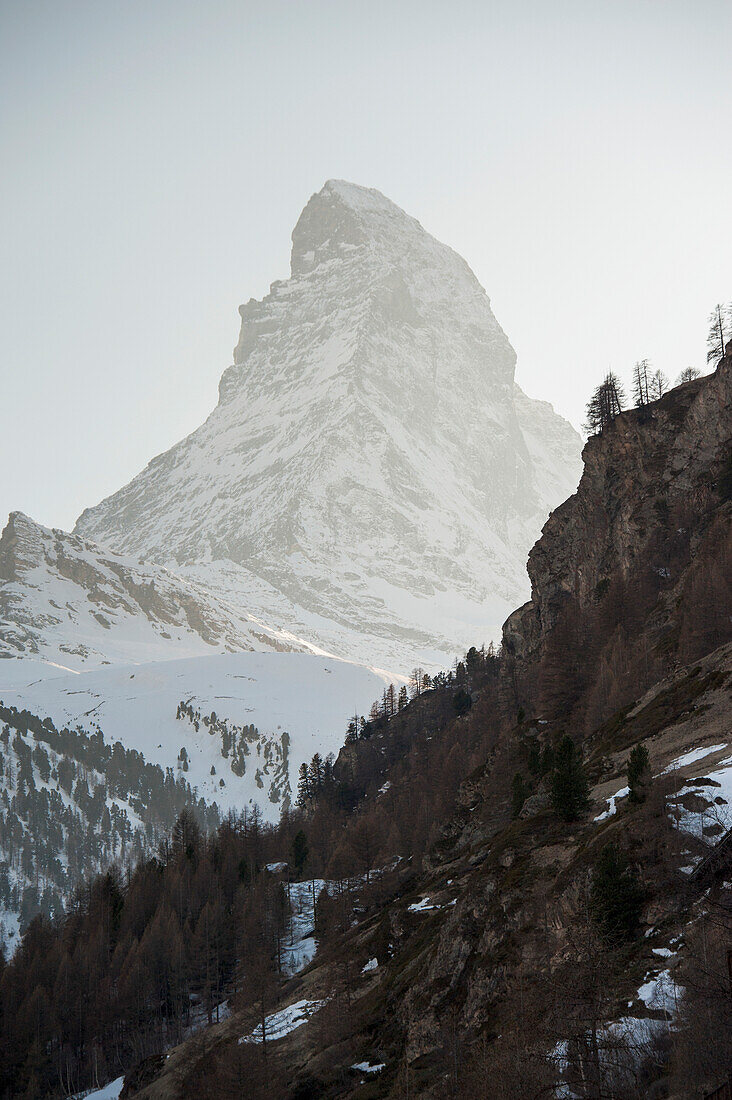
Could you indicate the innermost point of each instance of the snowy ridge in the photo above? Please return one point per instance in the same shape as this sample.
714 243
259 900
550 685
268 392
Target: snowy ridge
69 603
370 461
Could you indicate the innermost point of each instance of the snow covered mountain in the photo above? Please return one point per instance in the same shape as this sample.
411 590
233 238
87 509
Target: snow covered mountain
65 601
371 470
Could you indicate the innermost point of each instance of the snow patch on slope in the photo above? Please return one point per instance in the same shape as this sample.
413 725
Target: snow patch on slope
281 1023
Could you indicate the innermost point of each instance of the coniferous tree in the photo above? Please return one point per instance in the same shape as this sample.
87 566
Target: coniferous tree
569 784
462 702
417 681
299 851
352 730
638 773
303 786
658 385
605 404
719 327
688 374
641 383
186 837
616 895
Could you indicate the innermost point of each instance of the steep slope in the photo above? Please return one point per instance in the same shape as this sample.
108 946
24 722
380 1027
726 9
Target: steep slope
370 457
632 573
65 601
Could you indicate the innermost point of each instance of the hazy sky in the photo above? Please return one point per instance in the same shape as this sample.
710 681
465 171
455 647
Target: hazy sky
156 155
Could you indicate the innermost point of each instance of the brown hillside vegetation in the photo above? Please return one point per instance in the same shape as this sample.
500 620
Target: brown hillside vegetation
499 980
530 930
490 956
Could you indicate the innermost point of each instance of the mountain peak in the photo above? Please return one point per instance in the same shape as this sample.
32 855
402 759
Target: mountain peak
370 459
363 200
341 217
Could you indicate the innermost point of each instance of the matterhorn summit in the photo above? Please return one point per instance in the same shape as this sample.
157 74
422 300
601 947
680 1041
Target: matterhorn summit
371 477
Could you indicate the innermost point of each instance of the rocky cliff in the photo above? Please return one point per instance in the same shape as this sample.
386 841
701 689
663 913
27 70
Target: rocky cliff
633 571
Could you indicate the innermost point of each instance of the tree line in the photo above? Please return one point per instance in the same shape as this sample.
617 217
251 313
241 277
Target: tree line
609 399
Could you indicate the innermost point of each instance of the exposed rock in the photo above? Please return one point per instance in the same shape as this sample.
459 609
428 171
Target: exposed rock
650 520
79 605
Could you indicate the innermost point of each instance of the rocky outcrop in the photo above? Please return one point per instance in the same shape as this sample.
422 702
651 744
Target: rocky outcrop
650 522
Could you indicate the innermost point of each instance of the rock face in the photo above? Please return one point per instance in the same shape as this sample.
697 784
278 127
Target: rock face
71 603
370 459
646 540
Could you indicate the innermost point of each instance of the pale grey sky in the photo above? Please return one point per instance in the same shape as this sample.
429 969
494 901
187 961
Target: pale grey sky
156 155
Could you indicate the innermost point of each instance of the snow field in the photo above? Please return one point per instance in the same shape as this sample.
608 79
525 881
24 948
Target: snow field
300 704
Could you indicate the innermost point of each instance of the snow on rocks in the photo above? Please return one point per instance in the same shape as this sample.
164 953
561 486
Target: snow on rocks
421 906
283 1022
703 807
300 951
424 905
623 1041
692 757
612 804
368 1067
69 605
660 992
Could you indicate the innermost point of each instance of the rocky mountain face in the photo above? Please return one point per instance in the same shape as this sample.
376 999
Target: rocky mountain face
371 465
66 601
634 569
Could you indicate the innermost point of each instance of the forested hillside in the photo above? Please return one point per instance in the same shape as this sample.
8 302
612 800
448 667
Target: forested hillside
518 871
72 804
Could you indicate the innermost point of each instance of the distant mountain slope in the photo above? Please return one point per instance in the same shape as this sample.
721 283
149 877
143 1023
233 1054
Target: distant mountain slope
271 711
370 458
65 601
71 804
